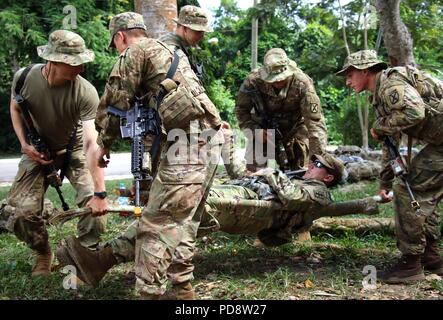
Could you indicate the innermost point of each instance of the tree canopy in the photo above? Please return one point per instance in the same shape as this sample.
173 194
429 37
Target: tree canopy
310 34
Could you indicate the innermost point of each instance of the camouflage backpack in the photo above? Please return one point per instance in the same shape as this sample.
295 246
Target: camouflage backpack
431 91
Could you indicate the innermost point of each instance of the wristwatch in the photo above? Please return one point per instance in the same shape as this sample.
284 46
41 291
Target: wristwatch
101 195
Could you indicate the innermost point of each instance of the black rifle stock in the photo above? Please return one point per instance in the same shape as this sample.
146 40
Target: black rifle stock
135 124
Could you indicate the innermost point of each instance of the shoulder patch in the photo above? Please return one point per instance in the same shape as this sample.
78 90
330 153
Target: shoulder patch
394 96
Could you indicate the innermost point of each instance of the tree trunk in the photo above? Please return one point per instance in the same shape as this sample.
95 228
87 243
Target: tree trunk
397 38
345 38
158 15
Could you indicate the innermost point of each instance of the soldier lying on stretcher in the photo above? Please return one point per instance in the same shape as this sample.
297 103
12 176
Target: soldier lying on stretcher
268 204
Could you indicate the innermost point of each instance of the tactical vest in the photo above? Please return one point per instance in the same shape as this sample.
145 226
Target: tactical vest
431 91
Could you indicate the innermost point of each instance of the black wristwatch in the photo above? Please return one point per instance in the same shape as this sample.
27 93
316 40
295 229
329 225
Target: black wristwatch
101 195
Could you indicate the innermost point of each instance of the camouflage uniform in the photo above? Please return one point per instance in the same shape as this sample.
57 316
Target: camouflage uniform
166 232
297 197
25 212
196 19
296 109
123 246
26 196
408 101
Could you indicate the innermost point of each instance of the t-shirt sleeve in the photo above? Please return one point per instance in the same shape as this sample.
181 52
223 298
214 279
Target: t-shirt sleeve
88 103
14 81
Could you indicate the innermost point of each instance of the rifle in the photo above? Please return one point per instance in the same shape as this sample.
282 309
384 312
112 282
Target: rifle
297 174
398 166
284 159
49 170
135 124
399 169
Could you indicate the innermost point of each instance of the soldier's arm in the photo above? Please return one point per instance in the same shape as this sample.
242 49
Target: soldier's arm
243 107
405 109
90 148
99 206
107 125
234 167
313 115
290 194
125 78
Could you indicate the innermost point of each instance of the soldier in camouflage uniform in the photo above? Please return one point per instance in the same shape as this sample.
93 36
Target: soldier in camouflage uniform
410 102
269 204
192 23
59 99
280 96
166 232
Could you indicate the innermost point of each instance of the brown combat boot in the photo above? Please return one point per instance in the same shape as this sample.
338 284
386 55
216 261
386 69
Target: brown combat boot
91 265
43 264
180 291
407 270
431 259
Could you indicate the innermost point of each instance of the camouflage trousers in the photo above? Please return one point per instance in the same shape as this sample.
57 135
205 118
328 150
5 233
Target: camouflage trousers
289 155
26 197
426 180
246 220
167 230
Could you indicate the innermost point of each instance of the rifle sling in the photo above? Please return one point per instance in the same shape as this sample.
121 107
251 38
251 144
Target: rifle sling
23 104
69 149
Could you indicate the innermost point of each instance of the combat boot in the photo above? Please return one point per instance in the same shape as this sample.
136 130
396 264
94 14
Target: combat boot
180 291
407 270
431 259
91 265
43 263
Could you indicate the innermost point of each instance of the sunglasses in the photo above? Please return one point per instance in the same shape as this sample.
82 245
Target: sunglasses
318 164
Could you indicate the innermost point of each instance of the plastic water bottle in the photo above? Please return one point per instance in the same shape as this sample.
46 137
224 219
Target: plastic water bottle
122 200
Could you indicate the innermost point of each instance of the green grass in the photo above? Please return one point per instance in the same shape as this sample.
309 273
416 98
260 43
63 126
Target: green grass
230 267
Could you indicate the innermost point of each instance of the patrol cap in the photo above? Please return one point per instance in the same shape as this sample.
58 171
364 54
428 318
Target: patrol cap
125 21
67 47
194 18
362 59
334 166
275 66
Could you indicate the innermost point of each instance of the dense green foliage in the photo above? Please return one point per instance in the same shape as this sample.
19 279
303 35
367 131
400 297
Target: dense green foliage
27 24
311 35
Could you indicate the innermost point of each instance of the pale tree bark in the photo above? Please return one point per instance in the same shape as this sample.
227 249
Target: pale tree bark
158 15
345 38
397 39
362 110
